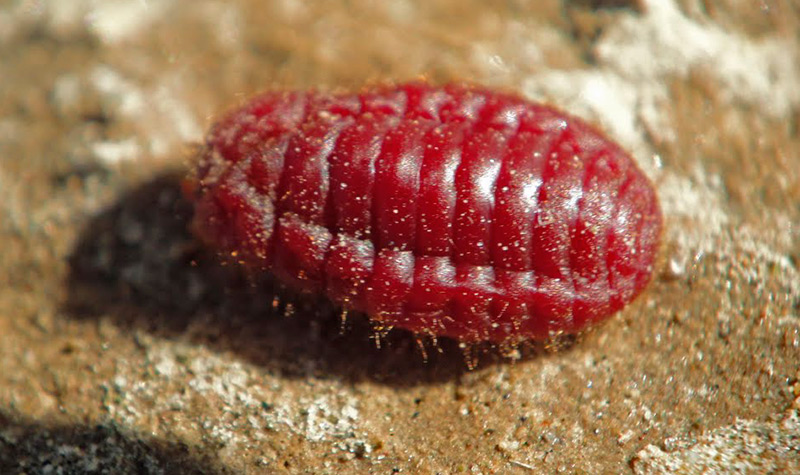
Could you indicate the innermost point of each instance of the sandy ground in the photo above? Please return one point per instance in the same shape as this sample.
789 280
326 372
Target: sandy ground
126 348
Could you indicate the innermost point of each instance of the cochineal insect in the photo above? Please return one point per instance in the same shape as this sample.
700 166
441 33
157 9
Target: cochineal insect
450 211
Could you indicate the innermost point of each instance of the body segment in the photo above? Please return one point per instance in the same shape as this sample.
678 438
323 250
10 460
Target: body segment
451 211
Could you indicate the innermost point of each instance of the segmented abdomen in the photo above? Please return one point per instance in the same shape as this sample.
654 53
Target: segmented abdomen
452 211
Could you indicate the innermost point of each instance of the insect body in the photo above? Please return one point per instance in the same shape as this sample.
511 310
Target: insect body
452 211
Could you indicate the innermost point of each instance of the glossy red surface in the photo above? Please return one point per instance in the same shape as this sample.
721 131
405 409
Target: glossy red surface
453 211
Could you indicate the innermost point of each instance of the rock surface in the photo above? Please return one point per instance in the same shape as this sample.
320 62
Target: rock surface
124 347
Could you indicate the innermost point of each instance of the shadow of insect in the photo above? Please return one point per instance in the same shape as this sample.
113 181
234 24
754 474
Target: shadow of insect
138 265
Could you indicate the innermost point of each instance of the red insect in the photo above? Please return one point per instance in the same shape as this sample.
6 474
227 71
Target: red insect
449 211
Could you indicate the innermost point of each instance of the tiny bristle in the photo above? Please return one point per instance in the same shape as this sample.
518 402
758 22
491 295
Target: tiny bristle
470 352
343 322
421 346
510 351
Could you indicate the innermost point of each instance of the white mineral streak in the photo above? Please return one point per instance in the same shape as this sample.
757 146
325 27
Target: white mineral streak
639 54
249 405
744 447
